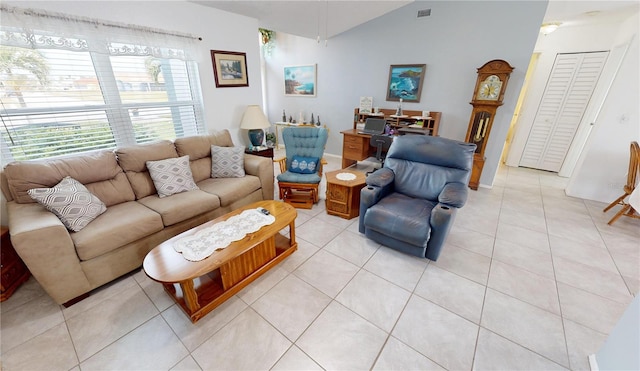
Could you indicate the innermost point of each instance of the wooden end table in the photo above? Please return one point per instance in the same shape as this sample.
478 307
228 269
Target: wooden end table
343 196
14 272
268 152
199 287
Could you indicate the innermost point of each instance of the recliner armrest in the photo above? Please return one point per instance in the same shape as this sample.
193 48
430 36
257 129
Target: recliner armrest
381 177
379 185
454 194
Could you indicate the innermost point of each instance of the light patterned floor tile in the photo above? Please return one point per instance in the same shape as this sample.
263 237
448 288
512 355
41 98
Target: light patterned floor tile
529 326
193 335
29 320
327 272
50 350
187 364
581 343
497 353
442 336
152 346
532 260
457 294
375 299
295 360
352 247
398 356
318 231
248 342
291 306
94 329
477 242
402 269
305 250
341 340
604 283
464 263
526 286
523 237
263 284
590 310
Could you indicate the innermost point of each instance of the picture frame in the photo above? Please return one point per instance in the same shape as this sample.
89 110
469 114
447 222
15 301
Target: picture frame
300 81
405 81
229 68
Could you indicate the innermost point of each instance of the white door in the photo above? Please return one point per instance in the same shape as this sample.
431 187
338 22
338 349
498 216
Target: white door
565 99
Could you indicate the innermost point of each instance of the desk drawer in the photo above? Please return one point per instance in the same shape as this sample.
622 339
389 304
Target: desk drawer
355 147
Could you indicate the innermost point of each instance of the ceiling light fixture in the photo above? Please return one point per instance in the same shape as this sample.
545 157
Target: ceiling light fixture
548 28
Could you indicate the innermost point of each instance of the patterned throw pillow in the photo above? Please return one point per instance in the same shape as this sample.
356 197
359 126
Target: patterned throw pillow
304 165
227 162
171 176
71 201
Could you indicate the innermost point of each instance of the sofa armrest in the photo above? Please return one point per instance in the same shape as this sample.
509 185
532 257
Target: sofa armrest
379 185
45 246
454 194
262 167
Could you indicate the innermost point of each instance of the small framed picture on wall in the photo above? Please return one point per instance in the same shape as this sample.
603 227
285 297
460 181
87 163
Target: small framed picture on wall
229 68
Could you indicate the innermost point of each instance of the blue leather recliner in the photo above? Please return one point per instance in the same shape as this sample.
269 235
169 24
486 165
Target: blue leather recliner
410 204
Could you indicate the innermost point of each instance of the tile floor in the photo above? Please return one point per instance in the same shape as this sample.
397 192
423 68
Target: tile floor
529 279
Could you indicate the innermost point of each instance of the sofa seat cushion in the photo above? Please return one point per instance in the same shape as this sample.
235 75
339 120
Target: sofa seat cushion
409 218
119 225
230 190
181 206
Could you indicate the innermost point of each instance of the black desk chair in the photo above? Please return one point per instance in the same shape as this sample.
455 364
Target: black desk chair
382 144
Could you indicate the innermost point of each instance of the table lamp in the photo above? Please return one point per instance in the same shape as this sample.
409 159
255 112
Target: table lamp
254 120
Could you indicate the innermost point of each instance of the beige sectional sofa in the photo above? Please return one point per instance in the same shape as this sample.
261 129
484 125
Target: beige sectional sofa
70 264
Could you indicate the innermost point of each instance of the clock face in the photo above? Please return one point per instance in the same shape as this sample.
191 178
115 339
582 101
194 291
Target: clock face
490 88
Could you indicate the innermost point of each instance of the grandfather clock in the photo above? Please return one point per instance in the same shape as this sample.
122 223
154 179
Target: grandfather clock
487 97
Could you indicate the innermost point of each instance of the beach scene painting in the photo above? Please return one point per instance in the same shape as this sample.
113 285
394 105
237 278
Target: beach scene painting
300 81
405 82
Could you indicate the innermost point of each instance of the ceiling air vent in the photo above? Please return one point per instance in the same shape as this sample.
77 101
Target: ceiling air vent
424 13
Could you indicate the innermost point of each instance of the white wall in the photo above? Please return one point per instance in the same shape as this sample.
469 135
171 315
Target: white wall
620 350
600 171
453 42
219 30
602 168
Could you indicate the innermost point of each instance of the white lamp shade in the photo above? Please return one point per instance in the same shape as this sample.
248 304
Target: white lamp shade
254 118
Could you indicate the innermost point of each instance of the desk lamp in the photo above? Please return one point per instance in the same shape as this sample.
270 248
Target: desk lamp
254 120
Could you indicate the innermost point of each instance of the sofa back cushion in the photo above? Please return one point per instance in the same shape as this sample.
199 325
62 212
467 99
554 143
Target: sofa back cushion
98 171
199 150
133 161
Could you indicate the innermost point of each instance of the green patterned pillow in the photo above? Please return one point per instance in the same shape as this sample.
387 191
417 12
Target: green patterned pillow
71 201
171 176
227 162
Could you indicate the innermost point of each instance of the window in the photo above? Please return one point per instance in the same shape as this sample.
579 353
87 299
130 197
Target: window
62 95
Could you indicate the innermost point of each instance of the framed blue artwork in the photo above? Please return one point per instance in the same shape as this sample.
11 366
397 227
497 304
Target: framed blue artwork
300 81
405 82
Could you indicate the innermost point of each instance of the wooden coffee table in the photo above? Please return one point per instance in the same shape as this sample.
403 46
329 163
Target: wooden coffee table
199 287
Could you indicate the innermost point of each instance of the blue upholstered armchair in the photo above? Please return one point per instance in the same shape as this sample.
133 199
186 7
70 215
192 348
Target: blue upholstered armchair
301 170
410 204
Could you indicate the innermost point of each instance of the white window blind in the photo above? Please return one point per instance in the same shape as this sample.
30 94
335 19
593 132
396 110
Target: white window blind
88 85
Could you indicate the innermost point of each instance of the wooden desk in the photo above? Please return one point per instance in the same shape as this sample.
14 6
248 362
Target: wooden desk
355 147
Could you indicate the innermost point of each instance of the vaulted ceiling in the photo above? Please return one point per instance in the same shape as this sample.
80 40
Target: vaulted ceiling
327 18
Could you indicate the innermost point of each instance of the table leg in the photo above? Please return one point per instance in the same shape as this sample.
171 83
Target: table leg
190 295
292 233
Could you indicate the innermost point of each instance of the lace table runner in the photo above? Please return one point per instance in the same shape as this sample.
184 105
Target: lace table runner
345 176
220 235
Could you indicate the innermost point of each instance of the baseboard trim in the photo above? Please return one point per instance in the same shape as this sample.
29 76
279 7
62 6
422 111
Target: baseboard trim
593 363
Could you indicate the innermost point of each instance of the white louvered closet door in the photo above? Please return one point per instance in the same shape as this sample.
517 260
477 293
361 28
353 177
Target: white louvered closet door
571 83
